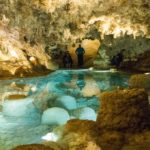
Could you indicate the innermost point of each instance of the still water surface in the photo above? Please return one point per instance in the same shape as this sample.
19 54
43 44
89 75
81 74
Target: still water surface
23 101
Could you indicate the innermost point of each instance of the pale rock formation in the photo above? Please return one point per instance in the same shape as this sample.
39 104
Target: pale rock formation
67 102
55 116
22 107
85 113
19 57
91 88
56 23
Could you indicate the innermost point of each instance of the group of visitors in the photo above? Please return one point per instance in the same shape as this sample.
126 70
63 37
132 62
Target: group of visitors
67 60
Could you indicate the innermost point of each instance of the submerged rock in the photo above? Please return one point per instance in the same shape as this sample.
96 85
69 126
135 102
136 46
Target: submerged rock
124 110
85 113
17 106
67 102
91 88
55 116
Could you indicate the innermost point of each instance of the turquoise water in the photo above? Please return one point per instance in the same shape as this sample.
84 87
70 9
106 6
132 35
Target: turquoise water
75 92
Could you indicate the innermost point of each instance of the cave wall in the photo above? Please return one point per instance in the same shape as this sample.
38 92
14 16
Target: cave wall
64 22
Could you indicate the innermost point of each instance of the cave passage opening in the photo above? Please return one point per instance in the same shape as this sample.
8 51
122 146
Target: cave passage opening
91 48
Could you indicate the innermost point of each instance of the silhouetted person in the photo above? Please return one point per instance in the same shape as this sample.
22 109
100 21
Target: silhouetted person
80 52
67 60
118 59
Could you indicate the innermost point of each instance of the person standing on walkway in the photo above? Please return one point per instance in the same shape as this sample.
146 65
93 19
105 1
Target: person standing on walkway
67 60
80 53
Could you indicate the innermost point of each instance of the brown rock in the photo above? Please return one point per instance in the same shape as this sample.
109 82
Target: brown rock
80 135
111 140
85 126
32 147
140 81
124 110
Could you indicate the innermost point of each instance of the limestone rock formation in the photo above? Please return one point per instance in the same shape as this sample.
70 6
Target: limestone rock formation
79 134
51 25
85 113
66 102
18 57
55 116
124 110
91 88
140 81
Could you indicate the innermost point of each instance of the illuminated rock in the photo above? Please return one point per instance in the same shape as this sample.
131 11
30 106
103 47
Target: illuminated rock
19 58
85 113
50 137
67 102
91 88
55 116
124 110
31 31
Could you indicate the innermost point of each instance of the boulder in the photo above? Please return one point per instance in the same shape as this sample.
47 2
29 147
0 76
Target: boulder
55 116
86 126
85 113
67 102
17 106
140 81
91 88
124 110
80 135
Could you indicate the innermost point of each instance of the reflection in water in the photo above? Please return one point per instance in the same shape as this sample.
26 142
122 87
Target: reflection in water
76 92
80 82
117 80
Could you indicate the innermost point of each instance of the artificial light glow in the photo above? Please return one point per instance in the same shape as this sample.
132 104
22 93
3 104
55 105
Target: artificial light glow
34 89
50 137
117 32
13 54
91 68
105 27
147 73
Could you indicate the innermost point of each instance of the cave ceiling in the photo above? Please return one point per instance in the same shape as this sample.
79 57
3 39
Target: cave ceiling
63 21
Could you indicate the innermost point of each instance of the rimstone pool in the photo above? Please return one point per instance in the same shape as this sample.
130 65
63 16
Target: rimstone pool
32 107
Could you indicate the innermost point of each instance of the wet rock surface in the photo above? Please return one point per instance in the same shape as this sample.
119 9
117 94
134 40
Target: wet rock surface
32 147
140 81
124 110
122 123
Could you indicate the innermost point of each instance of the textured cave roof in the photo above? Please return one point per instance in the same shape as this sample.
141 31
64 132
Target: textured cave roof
69 20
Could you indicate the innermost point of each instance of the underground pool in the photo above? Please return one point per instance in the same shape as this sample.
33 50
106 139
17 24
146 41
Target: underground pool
31 108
